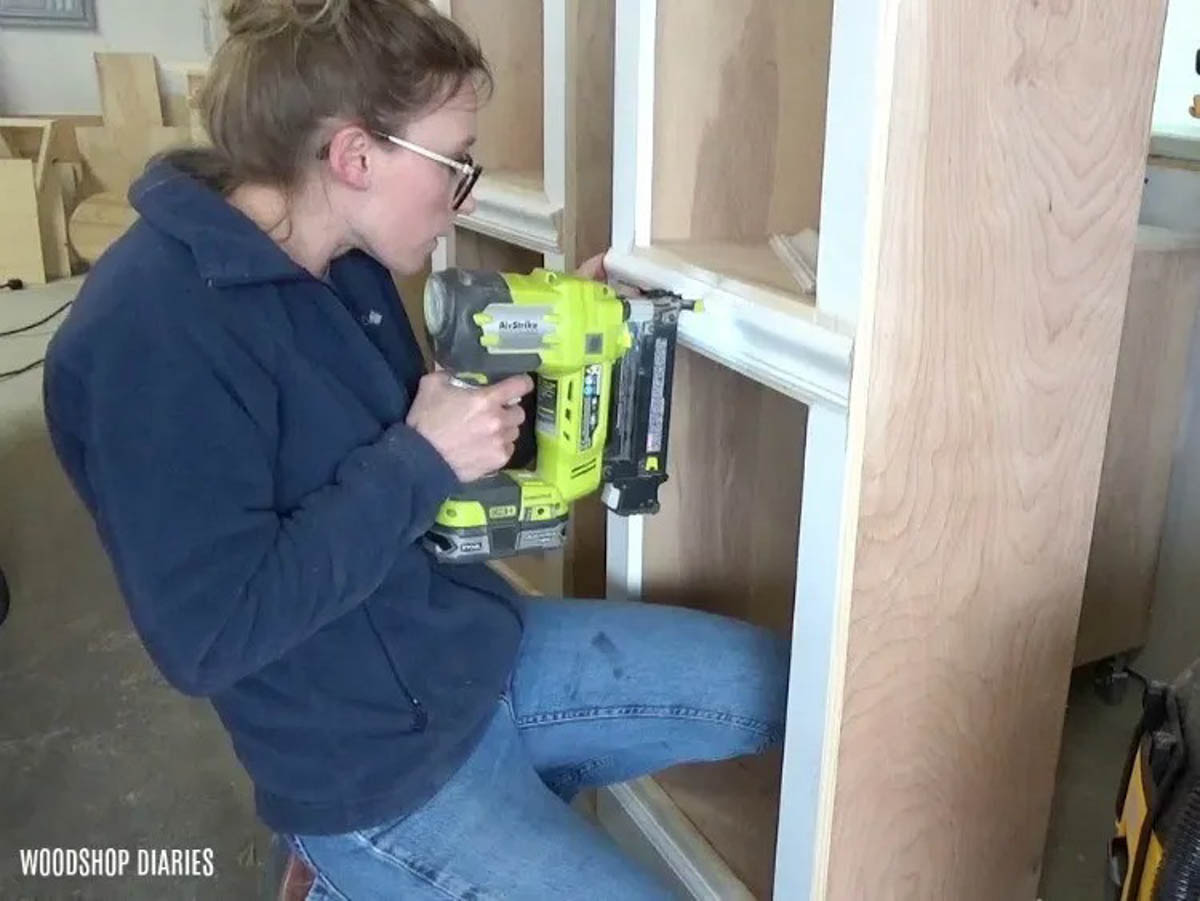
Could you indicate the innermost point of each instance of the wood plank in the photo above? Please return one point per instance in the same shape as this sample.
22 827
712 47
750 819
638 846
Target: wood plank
98 222
985 363
754 263
734 804
1147 408
646 823
52 222
129 95
725 538
510 123
63 147
739 118
589 125
30 139
20 234
115 159
195 120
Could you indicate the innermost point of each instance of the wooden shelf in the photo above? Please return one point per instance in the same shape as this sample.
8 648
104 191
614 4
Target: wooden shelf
735 806
777 338
752 264
719 146
514 207
643 820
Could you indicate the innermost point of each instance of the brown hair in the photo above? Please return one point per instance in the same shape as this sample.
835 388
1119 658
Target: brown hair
289 66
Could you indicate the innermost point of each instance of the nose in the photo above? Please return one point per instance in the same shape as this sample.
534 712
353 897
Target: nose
468 205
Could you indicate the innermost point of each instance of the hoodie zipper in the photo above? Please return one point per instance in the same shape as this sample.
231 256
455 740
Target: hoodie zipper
421 716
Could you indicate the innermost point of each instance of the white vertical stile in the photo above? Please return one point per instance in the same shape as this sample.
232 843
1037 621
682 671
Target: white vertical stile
554 101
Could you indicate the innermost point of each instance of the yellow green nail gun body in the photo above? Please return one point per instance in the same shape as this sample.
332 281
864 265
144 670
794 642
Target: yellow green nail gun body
604 370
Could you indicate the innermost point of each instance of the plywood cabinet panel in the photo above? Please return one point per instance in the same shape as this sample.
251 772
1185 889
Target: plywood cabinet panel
725 538
511 122
725 541
740 122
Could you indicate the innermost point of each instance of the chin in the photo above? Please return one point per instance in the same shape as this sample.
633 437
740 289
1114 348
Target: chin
409 261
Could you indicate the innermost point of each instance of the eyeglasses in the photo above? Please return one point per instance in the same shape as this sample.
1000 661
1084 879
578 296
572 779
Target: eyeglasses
468 170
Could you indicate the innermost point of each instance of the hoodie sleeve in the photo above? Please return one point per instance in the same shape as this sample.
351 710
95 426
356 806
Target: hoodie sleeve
179 473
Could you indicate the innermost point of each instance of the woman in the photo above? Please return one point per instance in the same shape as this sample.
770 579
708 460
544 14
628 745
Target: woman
239 400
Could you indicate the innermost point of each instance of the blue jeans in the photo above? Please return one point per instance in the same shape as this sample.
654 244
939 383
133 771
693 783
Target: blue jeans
602 692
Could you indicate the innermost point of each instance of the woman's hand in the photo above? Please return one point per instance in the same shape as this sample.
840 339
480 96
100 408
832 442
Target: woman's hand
474 429
593 268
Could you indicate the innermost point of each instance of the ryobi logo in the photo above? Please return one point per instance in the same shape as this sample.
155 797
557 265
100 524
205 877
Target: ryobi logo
507 511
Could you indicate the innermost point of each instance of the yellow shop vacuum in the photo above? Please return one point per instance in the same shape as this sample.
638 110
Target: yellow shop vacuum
1154 854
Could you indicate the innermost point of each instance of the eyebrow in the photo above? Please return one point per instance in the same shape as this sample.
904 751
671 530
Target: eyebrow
467 144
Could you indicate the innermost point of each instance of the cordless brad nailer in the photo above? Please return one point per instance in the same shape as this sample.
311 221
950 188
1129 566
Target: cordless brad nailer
604 366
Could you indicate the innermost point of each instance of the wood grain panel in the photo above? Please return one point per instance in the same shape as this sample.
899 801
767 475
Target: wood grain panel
1147 407
52 222
98 222
725 538
115 159
510 123
734 804
20 235
984 375
739 118
725 541
129 96
589 128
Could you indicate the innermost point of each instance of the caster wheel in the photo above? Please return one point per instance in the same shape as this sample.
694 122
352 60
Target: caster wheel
1111 679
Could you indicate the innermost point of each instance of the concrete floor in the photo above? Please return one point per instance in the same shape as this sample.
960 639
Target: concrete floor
96 751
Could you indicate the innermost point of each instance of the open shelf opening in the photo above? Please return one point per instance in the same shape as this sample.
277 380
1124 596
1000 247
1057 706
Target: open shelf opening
739 129
725 541
511 121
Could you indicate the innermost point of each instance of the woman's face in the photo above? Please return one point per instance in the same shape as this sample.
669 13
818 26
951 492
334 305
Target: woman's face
409 202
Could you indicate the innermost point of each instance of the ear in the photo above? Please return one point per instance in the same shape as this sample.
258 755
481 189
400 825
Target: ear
351 151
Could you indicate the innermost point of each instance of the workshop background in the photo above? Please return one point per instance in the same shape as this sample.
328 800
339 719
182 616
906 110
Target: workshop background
95 749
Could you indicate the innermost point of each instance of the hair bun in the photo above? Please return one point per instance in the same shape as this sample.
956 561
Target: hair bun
266 18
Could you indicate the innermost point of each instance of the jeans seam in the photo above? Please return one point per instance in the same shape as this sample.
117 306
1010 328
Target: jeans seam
373 848
639 710
573 775
327 883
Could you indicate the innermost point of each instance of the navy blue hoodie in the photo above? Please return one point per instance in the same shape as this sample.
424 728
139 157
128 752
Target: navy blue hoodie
236 428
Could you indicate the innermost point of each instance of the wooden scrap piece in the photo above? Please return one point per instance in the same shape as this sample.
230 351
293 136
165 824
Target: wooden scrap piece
129 90
20 237
30 139
116 158
97 222
52 227
180 84
798 253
